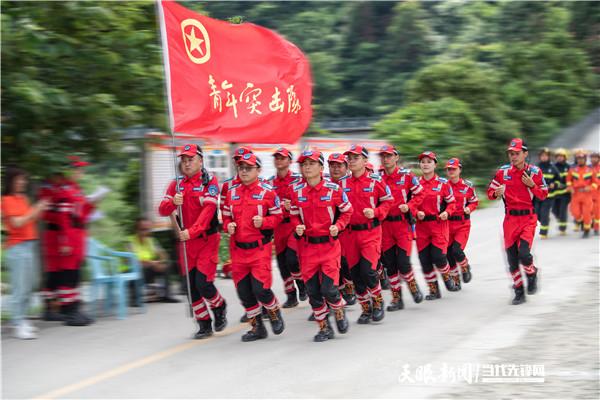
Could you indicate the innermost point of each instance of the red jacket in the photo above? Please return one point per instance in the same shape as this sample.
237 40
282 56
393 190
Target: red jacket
199 203
465 196
517 196
243 202
368 191
283 188
437 196
225 187
405 188
319 207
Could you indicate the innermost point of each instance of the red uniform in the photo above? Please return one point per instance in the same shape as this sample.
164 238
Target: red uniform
285 245
252 247
432 232
397 227
582 181
460 224
318 208
65 220
199 217
520 220
345 278
364 237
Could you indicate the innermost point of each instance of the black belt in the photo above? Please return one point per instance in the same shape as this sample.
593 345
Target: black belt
285 220
252 245
430 218
520 213
53 227
320 239
394 218
364 227
459 217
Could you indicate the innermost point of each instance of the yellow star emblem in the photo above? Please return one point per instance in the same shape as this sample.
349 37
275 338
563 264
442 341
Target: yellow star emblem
195 43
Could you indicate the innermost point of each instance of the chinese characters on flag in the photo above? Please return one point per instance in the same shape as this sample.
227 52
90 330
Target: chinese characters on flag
234 83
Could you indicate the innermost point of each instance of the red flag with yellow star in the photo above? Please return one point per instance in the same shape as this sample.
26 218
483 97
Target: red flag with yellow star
234 83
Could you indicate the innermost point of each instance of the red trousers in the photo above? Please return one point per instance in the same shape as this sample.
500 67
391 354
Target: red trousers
519 227
397 233
433 232
202 254
459 232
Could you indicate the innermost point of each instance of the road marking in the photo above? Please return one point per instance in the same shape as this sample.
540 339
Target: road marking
120 370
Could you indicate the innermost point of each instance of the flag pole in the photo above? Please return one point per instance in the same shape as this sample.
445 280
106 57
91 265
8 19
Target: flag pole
167 70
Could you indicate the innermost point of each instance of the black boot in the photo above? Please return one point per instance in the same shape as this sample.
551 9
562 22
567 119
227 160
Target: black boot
378 308
348 294
434 291
532 283
220 314
466 273
325 331
205 329
586 234
301 290
383 280
50 315
519 296
396 303
449 283
311 317
415 291
244 318
365 317
257 332
456 281
341 321
292 300
73 317
277 324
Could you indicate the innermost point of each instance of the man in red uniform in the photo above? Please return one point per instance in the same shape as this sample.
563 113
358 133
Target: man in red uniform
397 226
460 221
319 211
432 225
595 164
64 243
581 183
371 200
338 172
517 183
197 195
285 245
251 212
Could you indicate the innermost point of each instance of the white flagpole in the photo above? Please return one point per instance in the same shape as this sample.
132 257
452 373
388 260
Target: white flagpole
167 69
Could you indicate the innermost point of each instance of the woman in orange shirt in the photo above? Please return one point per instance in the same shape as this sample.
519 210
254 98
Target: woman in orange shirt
21 247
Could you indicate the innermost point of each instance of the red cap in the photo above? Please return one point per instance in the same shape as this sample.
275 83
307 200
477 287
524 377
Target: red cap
190 150
337 158
358 149
77 162
387 149
370 167
428 154
312 155
250 159
453 163
241 151
517 144
282 151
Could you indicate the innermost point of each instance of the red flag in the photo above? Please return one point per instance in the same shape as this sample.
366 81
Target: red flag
235 83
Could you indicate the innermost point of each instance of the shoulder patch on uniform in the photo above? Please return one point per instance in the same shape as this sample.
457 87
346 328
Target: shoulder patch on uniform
332 185
213 190
375 176
265 185
298 186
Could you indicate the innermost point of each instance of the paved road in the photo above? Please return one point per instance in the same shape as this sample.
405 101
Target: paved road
151 356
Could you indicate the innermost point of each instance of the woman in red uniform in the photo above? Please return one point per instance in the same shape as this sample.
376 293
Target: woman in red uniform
432 225
460 221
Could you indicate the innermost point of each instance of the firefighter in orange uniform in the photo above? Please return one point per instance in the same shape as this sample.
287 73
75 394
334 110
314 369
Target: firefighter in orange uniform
581 182
595 164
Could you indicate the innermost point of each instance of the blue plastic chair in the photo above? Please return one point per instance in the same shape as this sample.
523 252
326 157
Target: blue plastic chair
104 264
